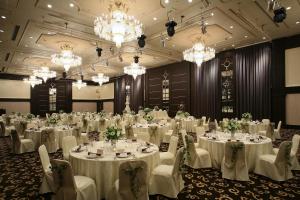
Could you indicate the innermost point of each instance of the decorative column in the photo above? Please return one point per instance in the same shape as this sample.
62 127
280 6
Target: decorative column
127 102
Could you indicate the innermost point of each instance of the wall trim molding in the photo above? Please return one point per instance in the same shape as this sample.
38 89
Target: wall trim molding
14 100
92 100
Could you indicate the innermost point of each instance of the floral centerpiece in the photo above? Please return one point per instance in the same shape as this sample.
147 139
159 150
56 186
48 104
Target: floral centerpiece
233 126
52 120
113 133
247 116
29 116
156 108
147 110
102 114
182 114
61 111
148 118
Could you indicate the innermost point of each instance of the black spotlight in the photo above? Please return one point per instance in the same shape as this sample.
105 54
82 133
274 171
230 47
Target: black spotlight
141 41
171 27
99 50
279 15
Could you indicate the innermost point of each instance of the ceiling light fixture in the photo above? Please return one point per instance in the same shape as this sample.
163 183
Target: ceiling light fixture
212 14
199 53
154 18
33 81
66 58
118 27
246 36
190 1
167 1
171 27
1 31
3 17
231 27
49 6
79 84
297 22
44 73
289 8
100 78
263 38
71 5
135 69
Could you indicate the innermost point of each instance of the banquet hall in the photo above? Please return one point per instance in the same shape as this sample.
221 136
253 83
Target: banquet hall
149 99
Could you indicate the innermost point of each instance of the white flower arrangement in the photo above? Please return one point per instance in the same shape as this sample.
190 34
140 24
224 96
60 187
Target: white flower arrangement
247 116
113 133
148 117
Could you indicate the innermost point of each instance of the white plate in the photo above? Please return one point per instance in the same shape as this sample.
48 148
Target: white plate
91 156
123 155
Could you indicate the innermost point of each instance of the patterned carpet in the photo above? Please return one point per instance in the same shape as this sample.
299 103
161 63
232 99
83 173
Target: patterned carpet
21 175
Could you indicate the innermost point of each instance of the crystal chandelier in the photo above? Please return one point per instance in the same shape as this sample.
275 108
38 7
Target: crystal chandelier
135 69
44 73
101 78
199 53
79 84
33 81
118 26
66 58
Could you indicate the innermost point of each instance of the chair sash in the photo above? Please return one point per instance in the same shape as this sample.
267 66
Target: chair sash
102 124
245 127
179 164
129 131
234 154
7 121
190 149
23 126
200 122
283 158
64 183
47 136
2 128
76 132
70 119
16 142
173 145
153 133
133 180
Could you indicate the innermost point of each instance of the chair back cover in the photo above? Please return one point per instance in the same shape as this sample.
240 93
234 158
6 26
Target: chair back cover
47 135
129 131
16 142
190 147
64 183
154 136
45 160
68 143
102 124
179 162
183 134
279 126
235 155
283 155
265 121
133 180
173 145
2 128
295 144
76 132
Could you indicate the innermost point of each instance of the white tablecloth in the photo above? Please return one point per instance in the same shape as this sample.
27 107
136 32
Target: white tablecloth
189 124
105 170
253 150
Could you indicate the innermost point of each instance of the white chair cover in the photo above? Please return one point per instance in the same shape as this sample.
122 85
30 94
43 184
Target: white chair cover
67 186
47 182
266 121
129 131
234 165
196 157
2 129
183 134
49 140
132 183
21 145
167 136
154 135
167 179
168 158
276 167
68 143
277 131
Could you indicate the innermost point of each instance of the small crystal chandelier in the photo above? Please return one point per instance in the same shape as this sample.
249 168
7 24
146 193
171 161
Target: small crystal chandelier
199 53
79 83
135 69
118 27
101 78
33 81
44 73
66 58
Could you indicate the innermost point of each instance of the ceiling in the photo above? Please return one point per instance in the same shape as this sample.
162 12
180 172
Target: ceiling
32 32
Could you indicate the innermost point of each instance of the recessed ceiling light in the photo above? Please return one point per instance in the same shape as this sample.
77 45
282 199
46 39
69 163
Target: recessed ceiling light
71 5
212 14
232 45
3 17
26 45
263 38
206 23
30 37
224 48
246 36
231 27
1 31
0 41
166 1
297 22
173 45
288 8
230 37
49 6
190 1
154 18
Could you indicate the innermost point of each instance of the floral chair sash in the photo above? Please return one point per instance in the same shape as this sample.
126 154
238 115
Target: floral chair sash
153 131
129 131
16 142
47 135
2 128
234 154
7 121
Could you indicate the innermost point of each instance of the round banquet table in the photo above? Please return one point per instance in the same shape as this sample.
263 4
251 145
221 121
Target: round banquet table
252 149
105 169
189 124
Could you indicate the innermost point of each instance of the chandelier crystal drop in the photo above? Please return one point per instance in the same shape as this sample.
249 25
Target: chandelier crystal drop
44 73
118 26
66 58
33 81
100 78
199 53
79 84
135 69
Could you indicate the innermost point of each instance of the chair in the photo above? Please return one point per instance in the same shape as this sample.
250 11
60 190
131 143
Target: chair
167 179
295 146
234 165
167 136
2 129
67 186
132 183
49 140
129 131
154 135
218 128
183 134
80 137
20 145
168 157
265 121
68 143
276 167
277 131
197 157
47 182
269 132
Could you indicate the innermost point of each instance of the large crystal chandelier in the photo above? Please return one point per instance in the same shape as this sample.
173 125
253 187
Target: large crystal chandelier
79 84
33 81
44 73
135 69
100 78
118 26
66 58
199 53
